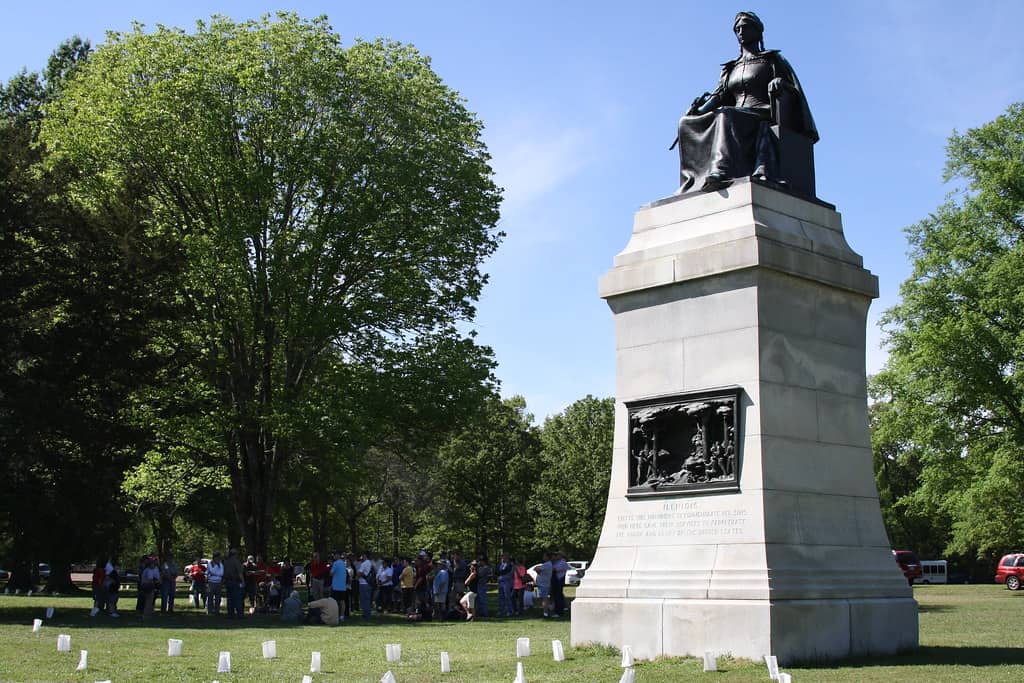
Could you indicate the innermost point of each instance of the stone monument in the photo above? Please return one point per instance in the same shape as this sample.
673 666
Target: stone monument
743 516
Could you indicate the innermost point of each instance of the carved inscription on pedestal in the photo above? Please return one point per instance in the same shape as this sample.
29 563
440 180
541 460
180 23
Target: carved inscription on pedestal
684 444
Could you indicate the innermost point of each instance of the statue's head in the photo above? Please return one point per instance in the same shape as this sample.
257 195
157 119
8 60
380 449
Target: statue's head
749 28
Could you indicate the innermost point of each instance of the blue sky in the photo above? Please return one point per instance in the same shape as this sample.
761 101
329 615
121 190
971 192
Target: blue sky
580 102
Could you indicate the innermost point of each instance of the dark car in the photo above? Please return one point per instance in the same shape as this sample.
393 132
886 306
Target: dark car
908 562
1011 570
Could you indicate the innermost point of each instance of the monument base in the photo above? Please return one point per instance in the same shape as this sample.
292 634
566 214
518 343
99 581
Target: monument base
792 630
749 293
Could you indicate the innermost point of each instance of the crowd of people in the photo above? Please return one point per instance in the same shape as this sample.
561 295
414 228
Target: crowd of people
422 588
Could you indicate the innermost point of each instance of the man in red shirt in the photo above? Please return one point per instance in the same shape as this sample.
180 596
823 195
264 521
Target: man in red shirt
317 574
196 573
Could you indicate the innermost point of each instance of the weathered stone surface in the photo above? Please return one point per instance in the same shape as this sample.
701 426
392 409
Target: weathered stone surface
756 289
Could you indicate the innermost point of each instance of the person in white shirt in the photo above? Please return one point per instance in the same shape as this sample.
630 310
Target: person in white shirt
214 582
385 576
363 571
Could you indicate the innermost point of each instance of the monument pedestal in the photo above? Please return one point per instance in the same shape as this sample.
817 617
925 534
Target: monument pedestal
751 291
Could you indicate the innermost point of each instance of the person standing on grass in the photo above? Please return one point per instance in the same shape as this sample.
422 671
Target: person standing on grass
396 585
140 596
196 573
234 584
339 580
469 600
353 587
483 572
287 577
112 587
440 587
168 582
99 597
318 572
252 579
519 578
385 582
149 584
408 582
214 584
558 569
422 586
544 572
506 577
364 571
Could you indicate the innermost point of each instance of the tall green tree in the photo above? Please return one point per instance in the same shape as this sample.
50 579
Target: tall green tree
955 377
569 500
331 202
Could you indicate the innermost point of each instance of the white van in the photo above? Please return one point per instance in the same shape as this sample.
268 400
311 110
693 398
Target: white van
933 571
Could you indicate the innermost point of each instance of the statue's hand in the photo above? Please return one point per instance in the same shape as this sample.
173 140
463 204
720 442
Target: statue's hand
774 86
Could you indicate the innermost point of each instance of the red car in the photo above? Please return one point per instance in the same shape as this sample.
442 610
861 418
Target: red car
1011 570
908 562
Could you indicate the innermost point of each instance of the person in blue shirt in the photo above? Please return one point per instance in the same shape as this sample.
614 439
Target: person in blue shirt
339 580
441 591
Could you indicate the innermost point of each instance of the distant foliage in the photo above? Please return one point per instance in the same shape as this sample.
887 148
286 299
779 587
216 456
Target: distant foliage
571 494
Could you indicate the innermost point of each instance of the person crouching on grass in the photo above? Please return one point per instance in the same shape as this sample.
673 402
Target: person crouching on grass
323 611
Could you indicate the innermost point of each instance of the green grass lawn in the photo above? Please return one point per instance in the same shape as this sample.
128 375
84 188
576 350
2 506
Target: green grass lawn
968 633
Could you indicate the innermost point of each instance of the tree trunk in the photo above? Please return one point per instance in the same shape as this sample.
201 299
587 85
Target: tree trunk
318 525
254 488
353 532
394 532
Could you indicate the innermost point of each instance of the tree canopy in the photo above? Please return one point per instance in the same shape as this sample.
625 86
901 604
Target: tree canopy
333 203
953 388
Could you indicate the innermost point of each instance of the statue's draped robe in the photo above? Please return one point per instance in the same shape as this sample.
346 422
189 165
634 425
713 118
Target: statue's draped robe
733 140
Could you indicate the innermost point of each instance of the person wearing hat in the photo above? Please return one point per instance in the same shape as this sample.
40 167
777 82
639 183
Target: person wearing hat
468 600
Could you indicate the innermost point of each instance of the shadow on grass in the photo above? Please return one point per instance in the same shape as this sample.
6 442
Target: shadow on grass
937 656
187 617
933 609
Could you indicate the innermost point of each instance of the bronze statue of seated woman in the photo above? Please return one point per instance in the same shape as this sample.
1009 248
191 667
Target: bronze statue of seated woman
737 131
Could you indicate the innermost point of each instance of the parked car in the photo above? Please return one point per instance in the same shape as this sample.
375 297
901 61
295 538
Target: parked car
575 572
298 573
4 575
908 562
1011 570
44 570
577 568
934 571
